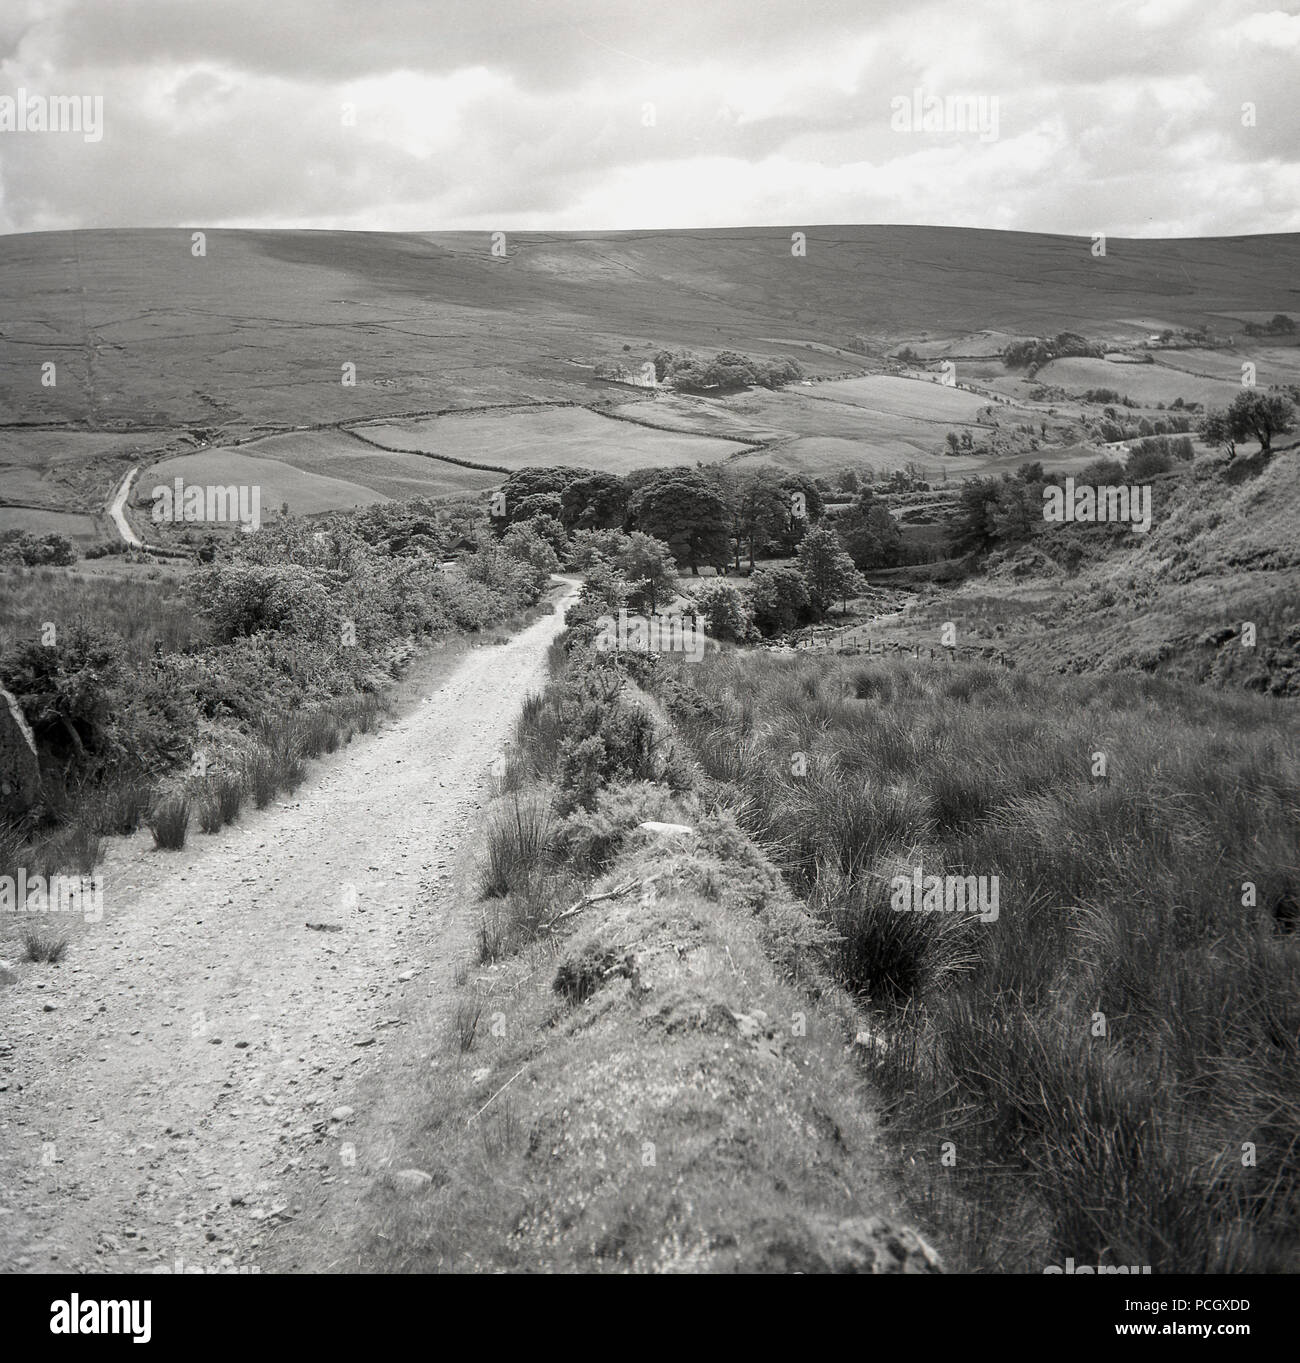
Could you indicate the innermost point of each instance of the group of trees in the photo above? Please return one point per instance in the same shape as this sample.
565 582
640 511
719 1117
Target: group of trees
728 370
708 517
1279 325
21 547
1039 350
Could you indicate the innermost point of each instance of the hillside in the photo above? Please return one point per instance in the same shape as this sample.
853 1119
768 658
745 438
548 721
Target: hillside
256 331
1221 552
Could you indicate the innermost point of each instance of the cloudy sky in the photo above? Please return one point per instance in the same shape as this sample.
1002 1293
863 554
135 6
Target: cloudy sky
1133 117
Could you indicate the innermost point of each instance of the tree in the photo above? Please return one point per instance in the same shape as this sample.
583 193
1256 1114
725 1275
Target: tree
587 547
595 502
827 569
1260 416
954 442
680 507
869 533
804 506
540 504
764 507
1016 510
780 600
648 564
972 525
526 543
723 609
1216 429
550 530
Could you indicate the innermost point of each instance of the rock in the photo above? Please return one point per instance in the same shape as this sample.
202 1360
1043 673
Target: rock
412 1180
20 784
665 829
341 1114
8 975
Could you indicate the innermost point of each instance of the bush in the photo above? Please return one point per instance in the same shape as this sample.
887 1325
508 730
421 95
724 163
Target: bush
723 609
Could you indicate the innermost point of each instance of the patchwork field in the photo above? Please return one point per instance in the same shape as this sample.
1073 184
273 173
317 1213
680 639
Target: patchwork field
338 455
1146 384
1273 364
78 528
279 482
554 435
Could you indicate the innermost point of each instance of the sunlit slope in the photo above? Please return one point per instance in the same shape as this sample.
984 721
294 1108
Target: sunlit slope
257 331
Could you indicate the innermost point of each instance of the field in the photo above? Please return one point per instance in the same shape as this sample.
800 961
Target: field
337 466
62 470
1273 364
1146 384
280 482
78 528
554 435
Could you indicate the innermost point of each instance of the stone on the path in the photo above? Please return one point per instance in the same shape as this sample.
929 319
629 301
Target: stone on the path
412 1180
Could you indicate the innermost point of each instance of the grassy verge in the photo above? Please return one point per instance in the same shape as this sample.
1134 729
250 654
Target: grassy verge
636 1076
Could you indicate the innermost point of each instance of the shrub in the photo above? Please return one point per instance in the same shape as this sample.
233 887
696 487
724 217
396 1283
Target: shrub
723 609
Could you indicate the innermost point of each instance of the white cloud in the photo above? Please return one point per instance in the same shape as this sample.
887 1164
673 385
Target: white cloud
230 112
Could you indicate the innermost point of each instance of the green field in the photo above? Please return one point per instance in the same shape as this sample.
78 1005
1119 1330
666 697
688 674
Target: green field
552 435
279 482
1146 384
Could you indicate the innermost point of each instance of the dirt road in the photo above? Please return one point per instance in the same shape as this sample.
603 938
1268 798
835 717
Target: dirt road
166 1092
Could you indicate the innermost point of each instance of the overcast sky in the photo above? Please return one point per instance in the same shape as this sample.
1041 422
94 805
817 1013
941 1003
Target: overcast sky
416 115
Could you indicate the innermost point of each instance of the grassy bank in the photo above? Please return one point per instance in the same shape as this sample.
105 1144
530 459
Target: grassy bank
1109 1069
629 1082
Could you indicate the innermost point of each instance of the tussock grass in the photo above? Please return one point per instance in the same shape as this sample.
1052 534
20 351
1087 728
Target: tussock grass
209 812
169 822
1130 1024
228 792
518 845
41 945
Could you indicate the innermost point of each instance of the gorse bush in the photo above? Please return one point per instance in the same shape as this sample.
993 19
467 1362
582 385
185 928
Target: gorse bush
1125 1036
